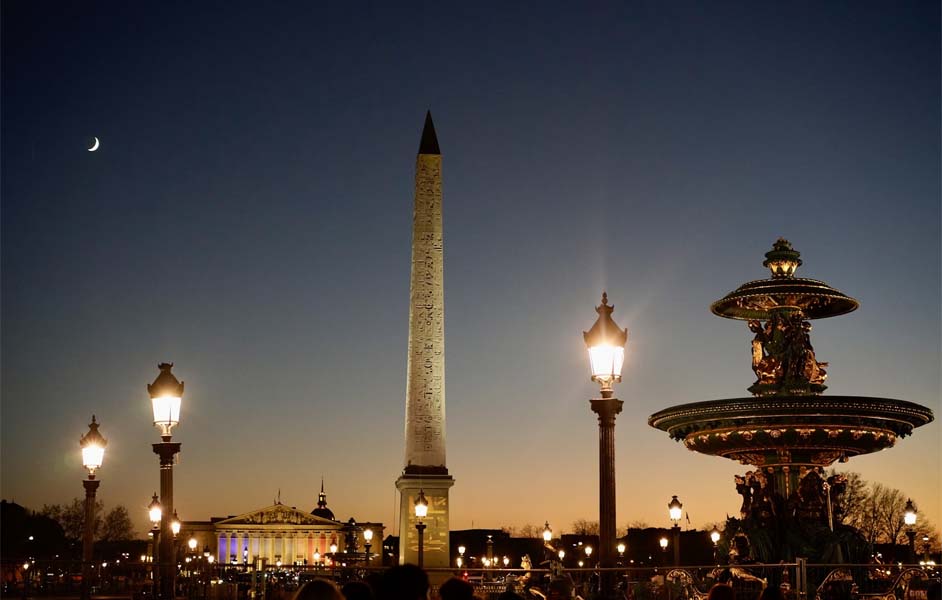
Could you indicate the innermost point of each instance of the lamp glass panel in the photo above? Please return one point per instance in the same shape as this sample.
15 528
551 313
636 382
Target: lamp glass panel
92 456
606 361
421 510
166 410
676 513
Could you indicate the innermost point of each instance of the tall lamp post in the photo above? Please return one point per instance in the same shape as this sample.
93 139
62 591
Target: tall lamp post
676 509
155 512
663 543
166 394
367 544
421 510
606 344
715 538
909 518
93 453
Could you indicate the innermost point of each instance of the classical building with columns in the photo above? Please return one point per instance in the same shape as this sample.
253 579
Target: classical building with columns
284 534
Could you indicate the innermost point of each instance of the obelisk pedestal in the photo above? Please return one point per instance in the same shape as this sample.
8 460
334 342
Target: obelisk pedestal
424 467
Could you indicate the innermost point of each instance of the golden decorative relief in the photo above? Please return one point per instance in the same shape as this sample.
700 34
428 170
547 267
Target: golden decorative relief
805 433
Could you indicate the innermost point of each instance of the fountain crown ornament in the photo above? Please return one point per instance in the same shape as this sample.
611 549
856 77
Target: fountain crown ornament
783 292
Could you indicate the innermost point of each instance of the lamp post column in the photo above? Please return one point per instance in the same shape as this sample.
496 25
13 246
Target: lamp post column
93 453
88 537
168 565
606 408
420 527
605 342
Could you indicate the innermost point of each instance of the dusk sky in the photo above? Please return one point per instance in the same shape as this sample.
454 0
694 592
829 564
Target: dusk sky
248 217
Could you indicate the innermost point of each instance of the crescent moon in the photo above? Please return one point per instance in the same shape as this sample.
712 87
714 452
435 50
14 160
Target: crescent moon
95 145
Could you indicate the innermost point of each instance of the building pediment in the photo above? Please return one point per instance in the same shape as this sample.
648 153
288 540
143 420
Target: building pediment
277 514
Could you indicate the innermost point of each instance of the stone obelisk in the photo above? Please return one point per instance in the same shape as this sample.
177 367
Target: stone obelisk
425 371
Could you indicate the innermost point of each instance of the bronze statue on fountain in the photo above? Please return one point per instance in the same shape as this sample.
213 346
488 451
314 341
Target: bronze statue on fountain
787 431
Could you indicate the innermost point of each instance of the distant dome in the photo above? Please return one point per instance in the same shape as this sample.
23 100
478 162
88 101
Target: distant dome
322 511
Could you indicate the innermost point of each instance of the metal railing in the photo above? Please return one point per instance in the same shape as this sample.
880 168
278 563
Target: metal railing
798 581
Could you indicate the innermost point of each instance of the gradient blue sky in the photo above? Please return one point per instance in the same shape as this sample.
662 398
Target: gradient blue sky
248 217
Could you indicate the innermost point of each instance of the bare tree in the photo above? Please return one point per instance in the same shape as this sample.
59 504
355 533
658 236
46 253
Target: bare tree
530 531
71 517
117 525
585 527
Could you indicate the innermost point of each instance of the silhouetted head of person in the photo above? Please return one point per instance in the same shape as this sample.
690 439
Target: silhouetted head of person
721 591
404 582
772 592
456 589
318 589
357 590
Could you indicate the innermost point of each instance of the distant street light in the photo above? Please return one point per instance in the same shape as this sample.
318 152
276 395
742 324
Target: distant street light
93 454
663 542
621 553
715 538
547 533
367 544
605 342
175 524
166 395
421 511
909 518
155 512
675 509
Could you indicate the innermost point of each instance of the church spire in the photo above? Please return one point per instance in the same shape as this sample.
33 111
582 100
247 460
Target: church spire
429 143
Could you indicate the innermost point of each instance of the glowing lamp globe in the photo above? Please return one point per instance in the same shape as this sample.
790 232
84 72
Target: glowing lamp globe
663 543
909 516
547 532
588 551
166 394
316 556
154 510
333 548
175 524
562 554
93 448
621 548
675 508
715 536
191 543
461 550
421 505
606 344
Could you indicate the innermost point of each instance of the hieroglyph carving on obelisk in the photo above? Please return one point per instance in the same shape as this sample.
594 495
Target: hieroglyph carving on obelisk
424 466
425 370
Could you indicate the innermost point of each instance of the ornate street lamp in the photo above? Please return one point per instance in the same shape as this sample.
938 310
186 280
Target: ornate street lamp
166 395
547 533
421 511
715 538
621 553
367 544
605 342
675 509
175 524
93 453
909 518
155 513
